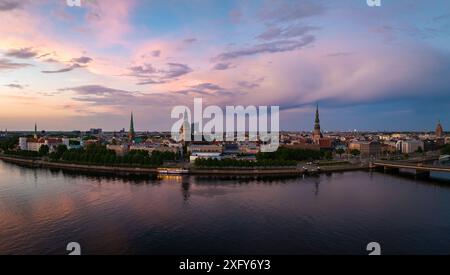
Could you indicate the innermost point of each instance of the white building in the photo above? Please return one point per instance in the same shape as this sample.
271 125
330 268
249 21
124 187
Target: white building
34 144
23 143
411 146
199 155
150 148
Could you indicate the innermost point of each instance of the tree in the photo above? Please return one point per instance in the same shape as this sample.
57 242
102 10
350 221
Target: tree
61 149
355 152
340 151
446 150
290 154
9 143
43 150
328 155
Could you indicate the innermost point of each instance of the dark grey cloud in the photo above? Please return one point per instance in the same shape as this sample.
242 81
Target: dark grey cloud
104 96
44 55
64 70
284 11
207 86
222 66
101 95
6 64
23 53
269 47
176 70
147 74
97 90
98 95
143 70
7 5
82 60
149 81
204 89
15 86
291 31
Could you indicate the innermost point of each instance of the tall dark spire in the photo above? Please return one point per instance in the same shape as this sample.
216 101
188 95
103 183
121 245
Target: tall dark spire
131 134
35 130
317 121
317 134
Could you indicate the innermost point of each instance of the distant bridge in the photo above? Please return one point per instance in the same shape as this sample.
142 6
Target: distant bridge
420 168
444 158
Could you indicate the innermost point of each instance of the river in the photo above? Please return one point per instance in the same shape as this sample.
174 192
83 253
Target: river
42 210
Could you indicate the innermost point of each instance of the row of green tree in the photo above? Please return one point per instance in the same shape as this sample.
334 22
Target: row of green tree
242 163
291 154
23 153
98 154
8 143
445 150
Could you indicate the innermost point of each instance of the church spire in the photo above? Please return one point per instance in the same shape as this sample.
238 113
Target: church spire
317 134
35 130
317 121
131 133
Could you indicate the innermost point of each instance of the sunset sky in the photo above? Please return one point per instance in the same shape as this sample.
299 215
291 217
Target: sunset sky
369 68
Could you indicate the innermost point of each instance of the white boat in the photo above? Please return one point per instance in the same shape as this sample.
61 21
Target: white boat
172 171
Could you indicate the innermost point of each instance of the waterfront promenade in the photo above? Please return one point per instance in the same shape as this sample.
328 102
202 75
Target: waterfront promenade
266 171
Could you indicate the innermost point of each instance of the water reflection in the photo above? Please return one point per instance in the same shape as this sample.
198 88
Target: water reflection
42 210
185 186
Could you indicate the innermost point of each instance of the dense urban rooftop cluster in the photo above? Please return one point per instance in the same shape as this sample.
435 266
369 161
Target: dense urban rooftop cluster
330 144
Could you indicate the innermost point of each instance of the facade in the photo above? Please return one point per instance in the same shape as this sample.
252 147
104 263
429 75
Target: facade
205 148
231 149
250 148
367 148
303 146
355 145
199 155
34 144
155 147
370 148
389 147
23 143
412 146
325 143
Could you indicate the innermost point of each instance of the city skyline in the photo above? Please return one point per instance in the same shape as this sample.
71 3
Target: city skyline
315 130
379 69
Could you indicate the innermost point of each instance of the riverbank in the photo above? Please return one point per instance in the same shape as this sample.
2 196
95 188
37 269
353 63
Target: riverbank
38 163
34 163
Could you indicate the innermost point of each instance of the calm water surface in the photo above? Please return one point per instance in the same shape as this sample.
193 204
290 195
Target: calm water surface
43 210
